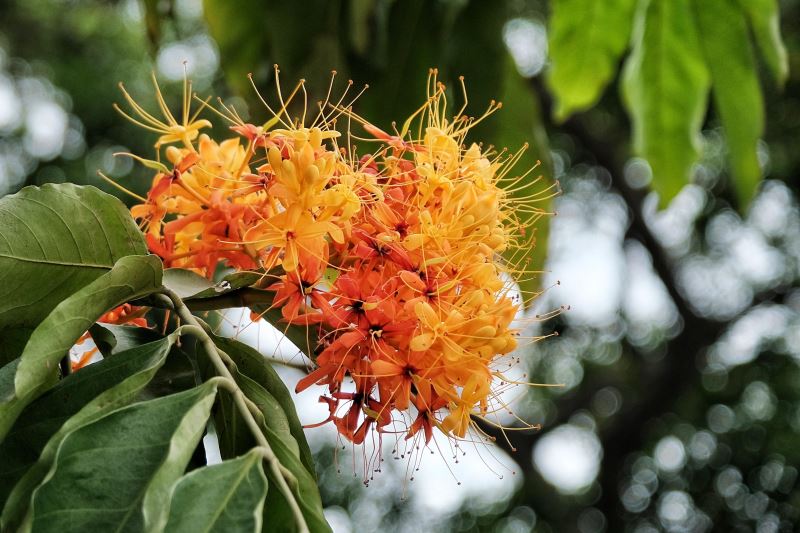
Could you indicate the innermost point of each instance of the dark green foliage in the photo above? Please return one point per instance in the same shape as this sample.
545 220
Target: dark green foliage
76 452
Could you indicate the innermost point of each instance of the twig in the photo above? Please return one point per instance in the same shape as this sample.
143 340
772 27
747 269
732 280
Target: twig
193 327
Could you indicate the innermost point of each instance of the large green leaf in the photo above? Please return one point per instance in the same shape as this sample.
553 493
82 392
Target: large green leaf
666 85
7 373
764 17
586 40
225 497
281 427
14 341
55 240
283 25
251 363
475 50
277 514
735 87
78 399
10 404
115 474
298 36
131 277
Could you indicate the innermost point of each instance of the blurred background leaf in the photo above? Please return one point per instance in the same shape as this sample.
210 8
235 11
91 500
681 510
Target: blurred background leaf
735 87
587 40
666 87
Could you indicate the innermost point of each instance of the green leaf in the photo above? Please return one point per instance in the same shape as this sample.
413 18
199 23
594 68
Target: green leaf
586 41
7 373
152 23
665 87
735 87
277 515
280 425
111 339
78 399
115 474
360 13
132 277
14 341
189 285
235 290
409 38
764 17
227 25
249 362
55 240
291 34
282 25
225 497
475 50
10 404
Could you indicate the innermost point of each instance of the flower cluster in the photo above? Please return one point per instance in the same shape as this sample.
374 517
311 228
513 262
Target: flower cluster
392 259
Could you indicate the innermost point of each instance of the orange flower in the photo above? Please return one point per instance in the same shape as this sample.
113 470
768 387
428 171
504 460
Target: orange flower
393 257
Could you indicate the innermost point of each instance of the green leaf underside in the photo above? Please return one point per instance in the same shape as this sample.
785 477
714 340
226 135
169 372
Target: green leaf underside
115 474
764 18
252 364
131 277
14 341
235 290
220 498
281 427
112 339
7 373
735 88
189 285
55 240
74 401
586 40
665 86
277 515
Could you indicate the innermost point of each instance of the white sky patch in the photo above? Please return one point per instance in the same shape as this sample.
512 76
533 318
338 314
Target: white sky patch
34 125
10 110
743 341
527 41
568 457
198 53
585 255
670 454
645 302
589 271
45 128
674 225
